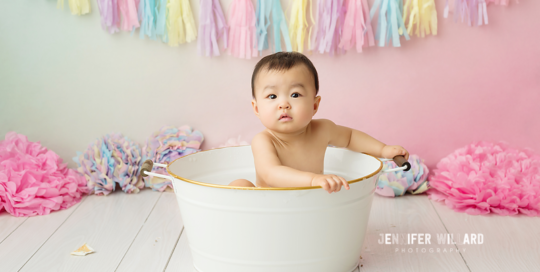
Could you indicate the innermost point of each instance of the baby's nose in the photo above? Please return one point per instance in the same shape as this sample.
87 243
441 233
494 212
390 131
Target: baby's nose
286 106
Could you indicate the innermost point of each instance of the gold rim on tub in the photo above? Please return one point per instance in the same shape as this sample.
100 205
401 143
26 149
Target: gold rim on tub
251 229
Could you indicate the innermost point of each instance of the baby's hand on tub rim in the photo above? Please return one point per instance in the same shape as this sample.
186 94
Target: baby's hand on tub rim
330 183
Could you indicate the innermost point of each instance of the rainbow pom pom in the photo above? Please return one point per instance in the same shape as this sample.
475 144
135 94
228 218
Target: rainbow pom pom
397 183
110 160
167 145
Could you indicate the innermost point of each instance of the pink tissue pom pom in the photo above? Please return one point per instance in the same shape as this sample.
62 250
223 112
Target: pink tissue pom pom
33 180
485 177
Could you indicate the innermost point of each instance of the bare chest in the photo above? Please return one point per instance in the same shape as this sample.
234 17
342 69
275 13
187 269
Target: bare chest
307 157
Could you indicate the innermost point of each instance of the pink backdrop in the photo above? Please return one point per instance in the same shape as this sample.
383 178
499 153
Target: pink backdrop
438 93
65 82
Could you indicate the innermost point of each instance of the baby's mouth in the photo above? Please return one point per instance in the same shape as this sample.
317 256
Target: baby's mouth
285 117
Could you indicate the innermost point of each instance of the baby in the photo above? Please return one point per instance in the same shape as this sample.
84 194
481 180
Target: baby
290 151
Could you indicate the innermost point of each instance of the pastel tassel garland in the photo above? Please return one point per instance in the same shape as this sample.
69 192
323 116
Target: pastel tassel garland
165 146
148 17
331 17
390 23
128 9
212 26
110 15
298 25
357 26
77 7
110 160
242 33
423 14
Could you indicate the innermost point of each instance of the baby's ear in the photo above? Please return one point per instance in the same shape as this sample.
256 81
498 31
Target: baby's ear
317 101
255 108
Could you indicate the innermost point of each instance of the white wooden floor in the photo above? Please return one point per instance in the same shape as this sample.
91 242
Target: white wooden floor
144 232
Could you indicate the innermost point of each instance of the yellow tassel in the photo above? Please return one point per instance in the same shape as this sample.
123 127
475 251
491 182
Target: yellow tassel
298 25
189 22
180 23
77 7
174 21
423 14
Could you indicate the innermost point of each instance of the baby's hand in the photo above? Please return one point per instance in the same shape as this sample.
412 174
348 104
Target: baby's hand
390 151
330 183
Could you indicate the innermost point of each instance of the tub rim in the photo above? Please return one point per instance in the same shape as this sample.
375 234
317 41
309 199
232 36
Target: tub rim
265 188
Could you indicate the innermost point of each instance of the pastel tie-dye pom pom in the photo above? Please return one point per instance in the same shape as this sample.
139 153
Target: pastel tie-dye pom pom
397 183
167 145
33 180
486 177
110 160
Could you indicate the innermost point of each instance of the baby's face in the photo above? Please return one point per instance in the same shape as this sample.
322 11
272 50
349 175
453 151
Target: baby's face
291 92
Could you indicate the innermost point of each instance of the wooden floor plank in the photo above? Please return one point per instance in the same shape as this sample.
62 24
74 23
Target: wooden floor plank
109 224
154 244
510 243
406 215
9 223
181 259
23 243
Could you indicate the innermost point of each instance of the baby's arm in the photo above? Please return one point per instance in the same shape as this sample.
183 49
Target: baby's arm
269 167
359 141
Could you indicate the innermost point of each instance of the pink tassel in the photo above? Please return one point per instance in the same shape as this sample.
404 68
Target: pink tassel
128 9
242 34
357 26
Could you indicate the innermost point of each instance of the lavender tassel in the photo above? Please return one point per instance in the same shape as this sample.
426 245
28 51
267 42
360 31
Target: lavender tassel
208 34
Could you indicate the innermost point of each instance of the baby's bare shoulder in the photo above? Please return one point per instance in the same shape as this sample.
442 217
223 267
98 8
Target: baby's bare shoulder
322 126
262 140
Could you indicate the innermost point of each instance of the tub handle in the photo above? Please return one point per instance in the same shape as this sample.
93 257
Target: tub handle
146 170
401 162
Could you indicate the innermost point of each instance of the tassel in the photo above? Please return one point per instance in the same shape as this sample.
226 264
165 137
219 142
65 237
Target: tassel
174 21
189 22
332 14
474 10
161 22
207 28
110 16
128 9
242 32
148 17
357 26
313 29
279 24
390 23
298 24
77 7
264 7
423 14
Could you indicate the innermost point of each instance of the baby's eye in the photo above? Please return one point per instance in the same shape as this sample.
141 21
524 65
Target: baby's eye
272 96
297 95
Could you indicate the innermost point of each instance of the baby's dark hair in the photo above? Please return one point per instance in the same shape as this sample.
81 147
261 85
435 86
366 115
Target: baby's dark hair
284 61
